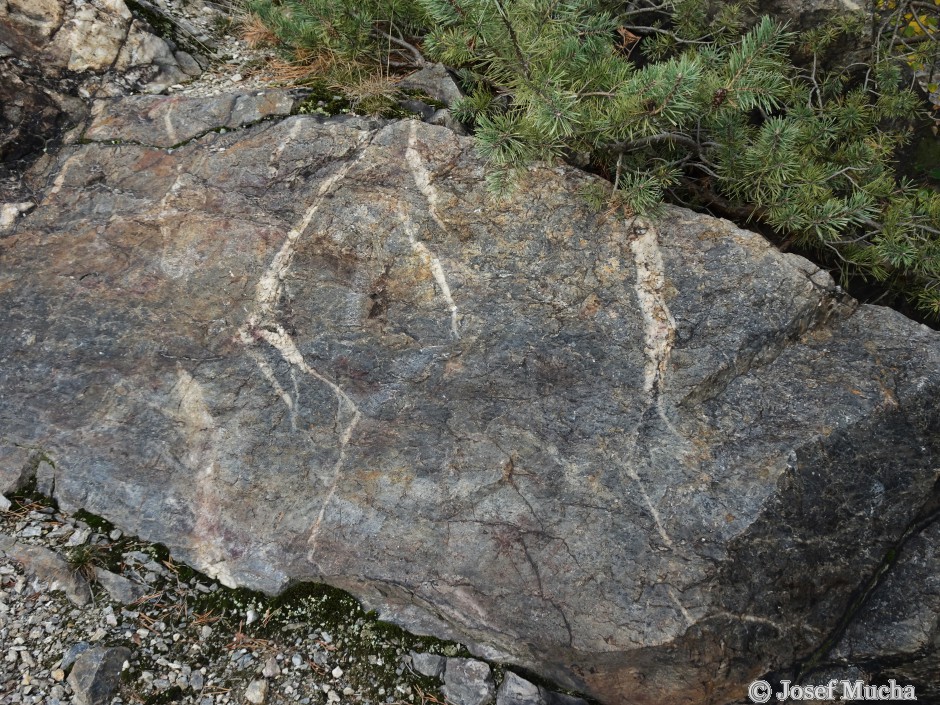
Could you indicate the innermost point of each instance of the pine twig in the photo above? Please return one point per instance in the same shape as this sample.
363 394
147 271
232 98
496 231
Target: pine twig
419 57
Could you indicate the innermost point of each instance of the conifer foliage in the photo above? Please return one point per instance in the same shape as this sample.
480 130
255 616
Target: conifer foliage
691 101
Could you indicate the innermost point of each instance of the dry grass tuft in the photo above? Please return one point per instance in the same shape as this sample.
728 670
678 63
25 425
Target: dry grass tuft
256 33
372 88
304 66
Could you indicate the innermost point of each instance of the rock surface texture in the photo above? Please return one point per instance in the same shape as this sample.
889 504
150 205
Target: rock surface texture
649 460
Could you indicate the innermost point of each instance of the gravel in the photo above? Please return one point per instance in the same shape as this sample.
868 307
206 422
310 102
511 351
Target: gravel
191 640
214 32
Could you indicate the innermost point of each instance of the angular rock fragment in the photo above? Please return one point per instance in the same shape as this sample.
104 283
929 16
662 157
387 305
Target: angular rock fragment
72 654
96 673
436 82
430 665
119 588
518 691
256 692
48 567
468 682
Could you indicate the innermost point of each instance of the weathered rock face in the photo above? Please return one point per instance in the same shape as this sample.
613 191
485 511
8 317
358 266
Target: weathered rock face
54 51
94 36
896 633
650 460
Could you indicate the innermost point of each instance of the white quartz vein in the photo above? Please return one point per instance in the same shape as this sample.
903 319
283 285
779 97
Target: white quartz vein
437 271
675 598
269 375
660 327
262 326
660 527
170 130
423 181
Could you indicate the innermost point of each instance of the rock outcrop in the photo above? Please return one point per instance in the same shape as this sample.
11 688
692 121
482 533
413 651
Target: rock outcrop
649 460
94 37
54 54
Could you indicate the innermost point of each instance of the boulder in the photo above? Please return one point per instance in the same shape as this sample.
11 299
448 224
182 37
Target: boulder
96 36
650 460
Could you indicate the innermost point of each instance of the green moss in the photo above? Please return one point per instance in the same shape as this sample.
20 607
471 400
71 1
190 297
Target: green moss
99 524
322 100
395 112
160 24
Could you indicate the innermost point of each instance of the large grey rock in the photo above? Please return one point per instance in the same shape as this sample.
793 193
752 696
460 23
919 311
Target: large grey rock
92 36
96 674
648 460
95 36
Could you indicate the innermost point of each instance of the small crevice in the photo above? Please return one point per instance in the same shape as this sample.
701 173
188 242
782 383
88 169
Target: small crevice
218 129
756 352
